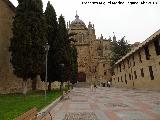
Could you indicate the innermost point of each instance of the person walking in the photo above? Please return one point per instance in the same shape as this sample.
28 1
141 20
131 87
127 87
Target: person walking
91 87
109 84
95 87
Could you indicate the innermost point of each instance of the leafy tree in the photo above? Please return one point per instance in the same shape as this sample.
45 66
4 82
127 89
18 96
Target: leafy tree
52 28
27 43
119 49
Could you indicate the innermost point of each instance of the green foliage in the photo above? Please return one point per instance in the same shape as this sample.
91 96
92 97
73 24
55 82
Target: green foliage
13 105
64 47
64 43
52 37
119 49
27 43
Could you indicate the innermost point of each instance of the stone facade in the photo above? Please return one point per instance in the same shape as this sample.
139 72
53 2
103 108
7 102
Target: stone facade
93 54
140 68
8 81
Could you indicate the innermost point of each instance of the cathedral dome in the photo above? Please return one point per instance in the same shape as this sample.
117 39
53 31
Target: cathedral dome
77 21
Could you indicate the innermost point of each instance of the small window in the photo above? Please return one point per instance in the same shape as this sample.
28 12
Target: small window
140 59
118 79
103 65
135 75
157 46
120 67
146 50
151 73
121 79
142 73
130 76
104 73
133 61
125 79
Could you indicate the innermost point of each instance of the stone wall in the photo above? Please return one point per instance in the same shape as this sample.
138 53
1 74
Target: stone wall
137 72
8 81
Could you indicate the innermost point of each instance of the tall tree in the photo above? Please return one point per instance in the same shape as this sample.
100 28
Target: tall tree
74 64
27 43
52 28
64 47
119 49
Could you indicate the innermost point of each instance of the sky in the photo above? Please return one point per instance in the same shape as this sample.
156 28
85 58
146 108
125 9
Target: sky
136 22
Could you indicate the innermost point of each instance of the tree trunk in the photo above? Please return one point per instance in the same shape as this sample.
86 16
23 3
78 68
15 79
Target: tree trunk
24 85
34 83
61 87
49 86
68 84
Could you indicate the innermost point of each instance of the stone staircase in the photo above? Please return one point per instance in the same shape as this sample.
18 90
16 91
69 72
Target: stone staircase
82 85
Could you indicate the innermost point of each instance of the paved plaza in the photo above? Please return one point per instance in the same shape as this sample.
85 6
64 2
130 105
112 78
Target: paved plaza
108 104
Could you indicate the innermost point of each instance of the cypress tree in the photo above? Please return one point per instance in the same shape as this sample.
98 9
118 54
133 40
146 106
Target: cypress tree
27 43
64 48
74 63
52 28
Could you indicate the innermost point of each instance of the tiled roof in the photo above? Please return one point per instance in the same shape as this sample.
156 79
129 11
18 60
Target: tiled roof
139 46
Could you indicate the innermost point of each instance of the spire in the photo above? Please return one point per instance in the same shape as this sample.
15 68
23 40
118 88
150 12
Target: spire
114 37
101 36
77 17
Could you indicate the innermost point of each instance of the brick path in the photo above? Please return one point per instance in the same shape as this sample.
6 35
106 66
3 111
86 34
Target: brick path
108 104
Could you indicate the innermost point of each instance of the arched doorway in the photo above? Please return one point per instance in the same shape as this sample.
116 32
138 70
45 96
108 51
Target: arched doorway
81 77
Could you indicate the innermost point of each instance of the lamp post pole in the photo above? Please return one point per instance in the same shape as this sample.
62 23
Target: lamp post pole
47 49
62 66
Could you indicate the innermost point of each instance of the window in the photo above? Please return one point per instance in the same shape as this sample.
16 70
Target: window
128 62
121 79
130 76
125 79
104 73
135 75
133 60
103 65
142 73
118 79
151 73
120 67
140 59
146 50
157 46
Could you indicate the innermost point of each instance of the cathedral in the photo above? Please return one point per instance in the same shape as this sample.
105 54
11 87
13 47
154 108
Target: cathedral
93 54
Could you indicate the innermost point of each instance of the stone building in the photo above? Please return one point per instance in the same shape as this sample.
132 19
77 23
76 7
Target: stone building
93 54
140 68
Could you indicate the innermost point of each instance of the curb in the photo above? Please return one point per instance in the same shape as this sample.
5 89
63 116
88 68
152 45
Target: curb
48 108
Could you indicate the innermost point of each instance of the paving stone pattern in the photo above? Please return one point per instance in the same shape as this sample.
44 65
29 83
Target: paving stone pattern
108 104
80 116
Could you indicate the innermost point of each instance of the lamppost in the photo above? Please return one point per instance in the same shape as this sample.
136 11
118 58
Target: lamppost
62 66
46 49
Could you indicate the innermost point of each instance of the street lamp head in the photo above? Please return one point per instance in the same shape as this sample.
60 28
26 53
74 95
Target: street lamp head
62 64
47 47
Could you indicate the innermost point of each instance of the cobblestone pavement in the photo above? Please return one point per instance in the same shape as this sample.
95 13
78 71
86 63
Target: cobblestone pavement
108 104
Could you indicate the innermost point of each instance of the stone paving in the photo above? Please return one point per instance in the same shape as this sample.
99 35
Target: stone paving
108 104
